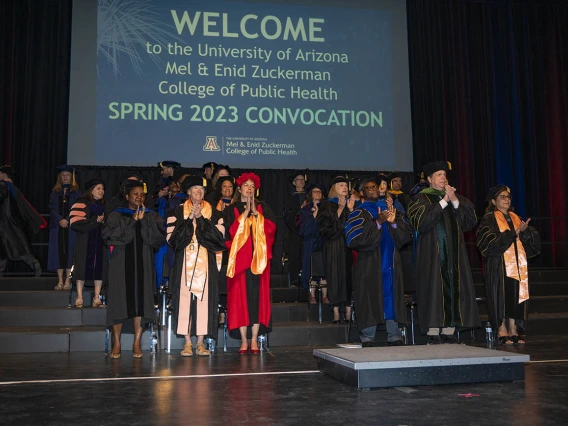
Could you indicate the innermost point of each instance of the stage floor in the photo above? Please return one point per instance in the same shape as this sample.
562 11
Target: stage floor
282 387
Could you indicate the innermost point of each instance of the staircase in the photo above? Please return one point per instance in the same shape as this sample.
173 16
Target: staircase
35 318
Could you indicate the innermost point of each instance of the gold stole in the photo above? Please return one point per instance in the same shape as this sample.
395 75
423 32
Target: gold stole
196 257
220 205
260 254
515 268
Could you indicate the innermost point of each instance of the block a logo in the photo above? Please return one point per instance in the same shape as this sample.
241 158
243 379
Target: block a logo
211 144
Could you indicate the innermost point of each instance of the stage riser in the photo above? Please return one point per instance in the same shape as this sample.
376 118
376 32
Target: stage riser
428 376
50 298
81 341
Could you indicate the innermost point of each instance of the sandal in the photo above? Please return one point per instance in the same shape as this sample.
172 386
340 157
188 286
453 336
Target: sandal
67 286
517 340
505 340
312 300
58 287
187 350
97 304
78 303
325 301
201 350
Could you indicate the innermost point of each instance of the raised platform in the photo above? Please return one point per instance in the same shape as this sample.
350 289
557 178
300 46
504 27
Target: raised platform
367 368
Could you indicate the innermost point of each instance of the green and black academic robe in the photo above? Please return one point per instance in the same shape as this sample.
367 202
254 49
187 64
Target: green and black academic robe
444 285
132 276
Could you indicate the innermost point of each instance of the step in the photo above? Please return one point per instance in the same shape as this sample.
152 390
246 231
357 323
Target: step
286 295
39 298
75 339
83 338
27 283
299 311
51 316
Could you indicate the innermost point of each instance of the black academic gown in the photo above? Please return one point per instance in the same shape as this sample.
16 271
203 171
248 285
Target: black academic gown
18 219
444 284
363 236
90 258
308 231
212 239
293 241
132 276
403 199
338 259
492 244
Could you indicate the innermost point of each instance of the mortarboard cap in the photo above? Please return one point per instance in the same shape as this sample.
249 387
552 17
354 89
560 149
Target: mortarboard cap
222 179
496 190
65 168
190 181
8 170
219 167
167 163
210 165
431 168
313 186
94 182
293 176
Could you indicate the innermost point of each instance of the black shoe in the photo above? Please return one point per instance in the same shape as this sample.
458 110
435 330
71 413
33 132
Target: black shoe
368 344
450 338
434 340
37 268
398 342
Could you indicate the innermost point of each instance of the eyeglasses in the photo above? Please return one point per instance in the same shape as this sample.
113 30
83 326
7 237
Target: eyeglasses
369 187
505 197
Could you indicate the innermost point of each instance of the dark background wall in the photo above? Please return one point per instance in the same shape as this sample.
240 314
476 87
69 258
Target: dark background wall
489 93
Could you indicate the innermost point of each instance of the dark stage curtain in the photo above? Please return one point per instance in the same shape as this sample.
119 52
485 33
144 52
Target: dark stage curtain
35 40
489 92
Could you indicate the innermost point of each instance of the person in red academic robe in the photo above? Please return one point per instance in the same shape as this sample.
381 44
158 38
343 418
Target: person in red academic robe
250 227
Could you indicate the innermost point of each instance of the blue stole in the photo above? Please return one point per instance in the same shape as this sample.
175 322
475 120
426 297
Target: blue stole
129 211
387 257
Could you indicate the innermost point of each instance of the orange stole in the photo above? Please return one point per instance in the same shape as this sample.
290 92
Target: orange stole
516 268
196 256
260 254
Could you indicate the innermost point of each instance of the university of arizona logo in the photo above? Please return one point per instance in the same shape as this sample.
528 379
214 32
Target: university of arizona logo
211 144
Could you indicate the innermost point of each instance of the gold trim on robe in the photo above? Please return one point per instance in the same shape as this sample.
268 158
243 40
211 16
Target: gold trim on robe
260 255
241 236
516 267
196 256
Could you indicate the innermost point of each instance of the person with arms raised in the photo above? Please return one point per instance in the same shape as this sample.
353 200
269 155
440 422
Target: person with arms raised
90 257
506 242
198 241
250 229
338 259
132 233
444 284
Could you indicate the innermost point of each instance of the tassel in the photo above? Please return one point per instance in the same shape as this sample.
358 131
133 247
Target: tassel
449 165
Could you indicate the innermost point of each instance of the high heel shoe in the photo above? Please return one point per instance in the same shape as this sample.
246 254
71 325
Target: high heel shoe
115 356
243 351
78 303
254 351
